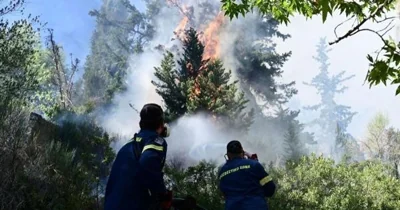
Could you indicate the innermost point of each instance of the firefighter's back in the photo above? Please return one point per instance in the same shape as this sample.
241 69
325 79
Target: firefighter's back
124 190
239 182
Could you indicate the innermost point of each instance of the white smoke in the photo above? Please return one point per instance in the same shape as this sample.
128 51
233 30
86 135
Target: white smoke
198 139
123 118
194 136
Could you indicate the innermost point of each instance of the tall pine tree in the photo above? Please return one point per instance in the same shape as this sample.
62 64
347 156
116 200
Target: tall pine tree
332 115
121 31
198 85
294 148
261 64
259 67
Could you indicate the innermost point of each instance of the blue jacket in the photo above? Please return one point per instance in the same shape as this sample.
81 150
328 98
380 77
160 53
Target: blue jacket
245 184
136 175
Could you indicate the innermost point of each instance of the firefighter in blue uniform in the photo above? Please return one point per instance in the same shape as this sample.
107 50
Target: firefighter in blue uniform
243 182
136 181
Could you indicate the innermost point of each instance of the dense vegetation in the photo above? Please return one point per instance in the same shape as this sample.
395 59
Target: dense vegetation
63 162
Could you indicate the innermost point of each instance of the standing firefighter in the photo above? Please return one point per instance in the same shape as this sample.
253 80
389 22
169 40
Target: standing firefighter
244 182
136 180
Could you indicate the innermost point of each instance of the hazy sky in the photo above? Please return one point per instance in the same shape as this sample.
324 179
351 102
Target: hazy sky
73 28
349 55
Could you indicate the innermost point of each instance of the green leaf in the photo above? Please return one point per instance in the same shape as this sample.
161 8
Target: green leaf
398 90
325 9
369 57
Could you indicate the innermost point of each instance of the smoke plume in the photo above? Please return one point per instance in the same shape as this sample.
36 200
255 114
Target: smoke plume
193 137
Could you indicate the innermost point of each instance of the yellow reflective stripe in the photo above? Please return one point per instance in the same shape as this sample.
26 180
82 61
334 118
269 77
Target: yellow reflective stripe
152 146
265 180
138 139
234 170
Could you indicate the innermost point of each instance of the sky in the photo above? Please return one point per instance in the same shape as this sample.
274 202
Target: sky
73 29
72 24
348 55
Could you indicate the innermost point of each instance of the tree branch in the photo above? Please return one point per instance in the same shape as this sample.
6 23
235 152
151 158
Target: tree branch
354 30
340 25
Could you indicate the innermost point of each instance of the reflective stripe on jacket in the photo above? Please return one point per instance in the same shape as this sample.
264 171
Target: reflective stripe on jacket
136 174
245 184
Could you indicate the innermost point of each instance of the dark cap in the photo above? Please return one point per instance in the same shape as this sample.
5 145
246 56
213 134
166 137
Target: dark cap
234 147
151 113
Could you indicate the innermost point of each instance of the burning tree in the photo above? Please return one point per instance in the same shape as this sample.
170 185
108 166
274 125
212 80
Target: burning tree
198 84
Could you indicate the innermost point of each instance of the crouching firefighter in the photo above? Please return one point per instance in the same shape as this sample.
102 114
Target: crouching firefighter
243 181
136 181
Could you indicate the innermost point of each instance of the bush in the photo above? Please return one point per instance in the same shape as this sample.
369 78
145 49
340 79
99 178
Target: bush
311 183
317 183
199 181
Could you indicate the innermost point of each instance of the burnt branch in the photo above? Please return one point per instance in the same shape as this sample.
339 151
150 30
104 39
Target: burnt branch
70 83
60 72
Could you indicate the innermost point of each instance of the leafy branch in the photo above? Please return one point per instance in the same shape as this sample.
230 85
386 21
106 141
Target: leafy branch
356 29
381 69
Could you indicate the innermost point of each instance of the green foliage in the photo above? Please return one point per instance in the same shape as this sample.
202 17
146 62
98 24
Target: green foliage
121 31
54 80
36 174
18 50
199 181
199 85
56 180
346 147
317 183
383 142
311 182
386 68
294 147
92 144
260 66
260 63
39 175
382 70
282 10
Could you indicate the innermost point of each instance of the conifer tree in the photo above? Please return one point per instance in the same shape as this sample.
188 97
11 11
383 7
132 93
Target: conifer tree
198 85
260 64
332 114
121 31
294 148
259 67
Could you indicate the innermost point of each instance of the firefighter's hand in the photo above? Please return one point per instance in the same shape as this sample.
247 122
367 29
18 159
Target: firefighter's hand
254 157
250 156
246 154
166 200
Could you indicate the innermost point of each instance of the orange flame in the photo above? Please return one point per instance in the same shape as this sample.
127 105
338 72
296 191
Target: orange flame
210 38
186 12
180 29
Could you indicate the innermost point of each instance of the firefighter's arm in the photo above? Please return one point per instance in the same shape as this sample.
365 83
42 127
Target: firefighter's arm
266 181
151 167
